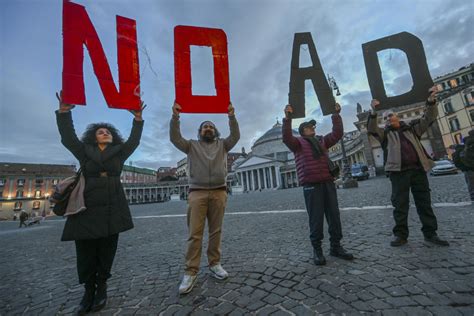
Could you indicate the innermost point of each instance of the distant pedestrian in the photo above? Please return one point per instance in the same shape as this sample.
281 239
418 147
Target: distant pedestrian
406 161
463 158
317 178
23 218
207 199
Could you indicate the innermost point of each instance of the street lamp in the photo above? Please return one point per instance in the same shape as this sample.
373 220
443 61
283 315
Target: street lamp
347 180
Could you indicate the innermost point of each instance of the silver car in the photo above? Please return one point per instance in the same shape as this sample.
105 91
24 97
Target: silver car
443 167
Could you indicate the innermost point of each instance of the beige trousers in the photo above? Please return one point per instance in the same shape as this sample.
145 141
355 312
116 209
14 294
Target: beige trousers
204 204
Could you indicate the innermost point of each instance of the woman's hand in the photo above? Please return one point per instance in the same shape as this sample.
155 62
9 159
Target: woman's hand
63 107
138 114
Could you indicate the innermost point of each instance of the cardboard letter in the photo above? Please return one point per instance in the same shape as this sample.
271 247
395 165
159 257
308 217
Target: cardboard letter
413 48
184 37
298 75
78 31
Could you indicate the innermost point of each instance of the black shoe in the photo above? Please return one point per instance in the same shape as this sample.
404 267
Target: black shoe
318 257
100 298
87 300
435 240
341 253
398 241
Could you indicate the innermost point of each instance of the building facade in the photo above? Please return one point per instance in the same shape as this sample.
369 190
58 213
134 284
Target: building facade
354 147
28 186
164 173
131 174
456 106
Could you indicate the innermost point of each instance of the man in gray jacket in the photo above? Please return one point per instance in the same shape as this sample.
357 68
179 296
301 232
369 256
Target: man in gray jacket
207 166
407 162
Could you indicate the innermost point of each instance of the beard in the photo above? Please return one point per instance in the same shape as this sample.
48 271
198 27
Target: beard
208 137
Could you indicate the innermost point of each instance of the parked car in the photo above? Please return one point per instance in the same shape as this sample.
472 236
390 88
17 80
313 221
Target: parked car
360 171
443 167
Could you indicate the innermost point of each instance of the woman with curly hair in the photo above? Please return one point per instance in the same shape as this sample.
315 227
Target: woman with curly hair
101 153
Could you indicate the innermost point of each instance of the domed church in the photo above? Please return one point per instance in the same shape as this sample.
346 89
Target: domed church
269 166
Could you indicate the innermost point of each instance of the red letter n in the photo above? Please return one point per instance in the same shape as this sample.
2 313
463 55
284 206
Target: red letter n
78 31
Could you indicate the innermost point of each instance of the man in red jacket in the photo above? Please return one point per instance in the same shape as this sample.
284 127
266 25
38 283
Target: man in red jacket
312 167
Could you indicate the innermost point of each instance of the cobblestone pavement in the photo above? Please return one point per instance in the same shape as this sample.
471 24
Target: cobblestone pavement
268 256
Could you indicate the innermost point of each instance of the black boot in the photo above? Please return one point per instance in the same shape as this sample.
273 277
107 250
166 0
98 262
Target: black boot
100 298
318 256
338 251
88 298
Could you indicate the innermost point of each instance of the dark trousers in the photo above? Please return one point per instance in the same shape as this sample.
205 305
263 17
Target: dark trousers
95 258
320 200
417 181
469 175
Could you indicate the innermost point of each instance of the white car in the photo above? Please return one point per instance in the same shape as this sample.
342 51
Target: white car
443 167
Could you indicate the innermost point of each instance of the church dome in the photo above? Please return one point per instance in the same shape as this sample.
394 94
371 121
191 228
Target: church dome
272 134
271 144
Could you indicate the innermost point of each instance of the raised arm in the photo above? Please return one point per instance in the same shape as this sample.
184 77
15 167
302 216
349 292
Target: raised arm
175 133
234 135
288 139
135 134
337 129
66 129
429 115
372 126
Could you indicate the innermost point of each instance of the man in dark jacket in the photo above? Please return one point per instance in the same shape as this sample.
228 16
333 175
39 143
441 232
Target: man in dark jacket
312 166
23 218
207 165
407 162
463 158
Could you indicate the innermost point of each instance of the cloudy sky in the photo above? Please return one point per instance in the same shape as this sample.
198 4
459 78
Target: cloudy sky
260 38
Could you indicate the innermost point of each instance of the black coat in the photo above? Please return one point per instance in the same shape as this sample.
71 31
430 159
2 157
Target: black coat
107 210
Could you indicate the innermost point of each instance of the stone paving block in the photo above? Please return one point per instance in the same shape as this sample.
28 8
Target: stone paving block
378 304
422 300
290 304
443 310
296 295
365 295
323 308
230 296
400 301
267 310
223 308
273 299
301 311
266 286
362 306
255 305
459 299
396 291
242 301
416 311
237 312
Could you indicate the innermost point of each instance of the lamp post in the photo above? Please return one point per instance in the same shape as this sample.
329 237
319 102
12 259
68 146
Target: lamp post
347 180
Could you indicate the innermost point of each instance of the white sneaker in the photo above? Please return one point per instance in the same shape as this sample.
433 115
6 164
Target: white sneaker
187 284
218 272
